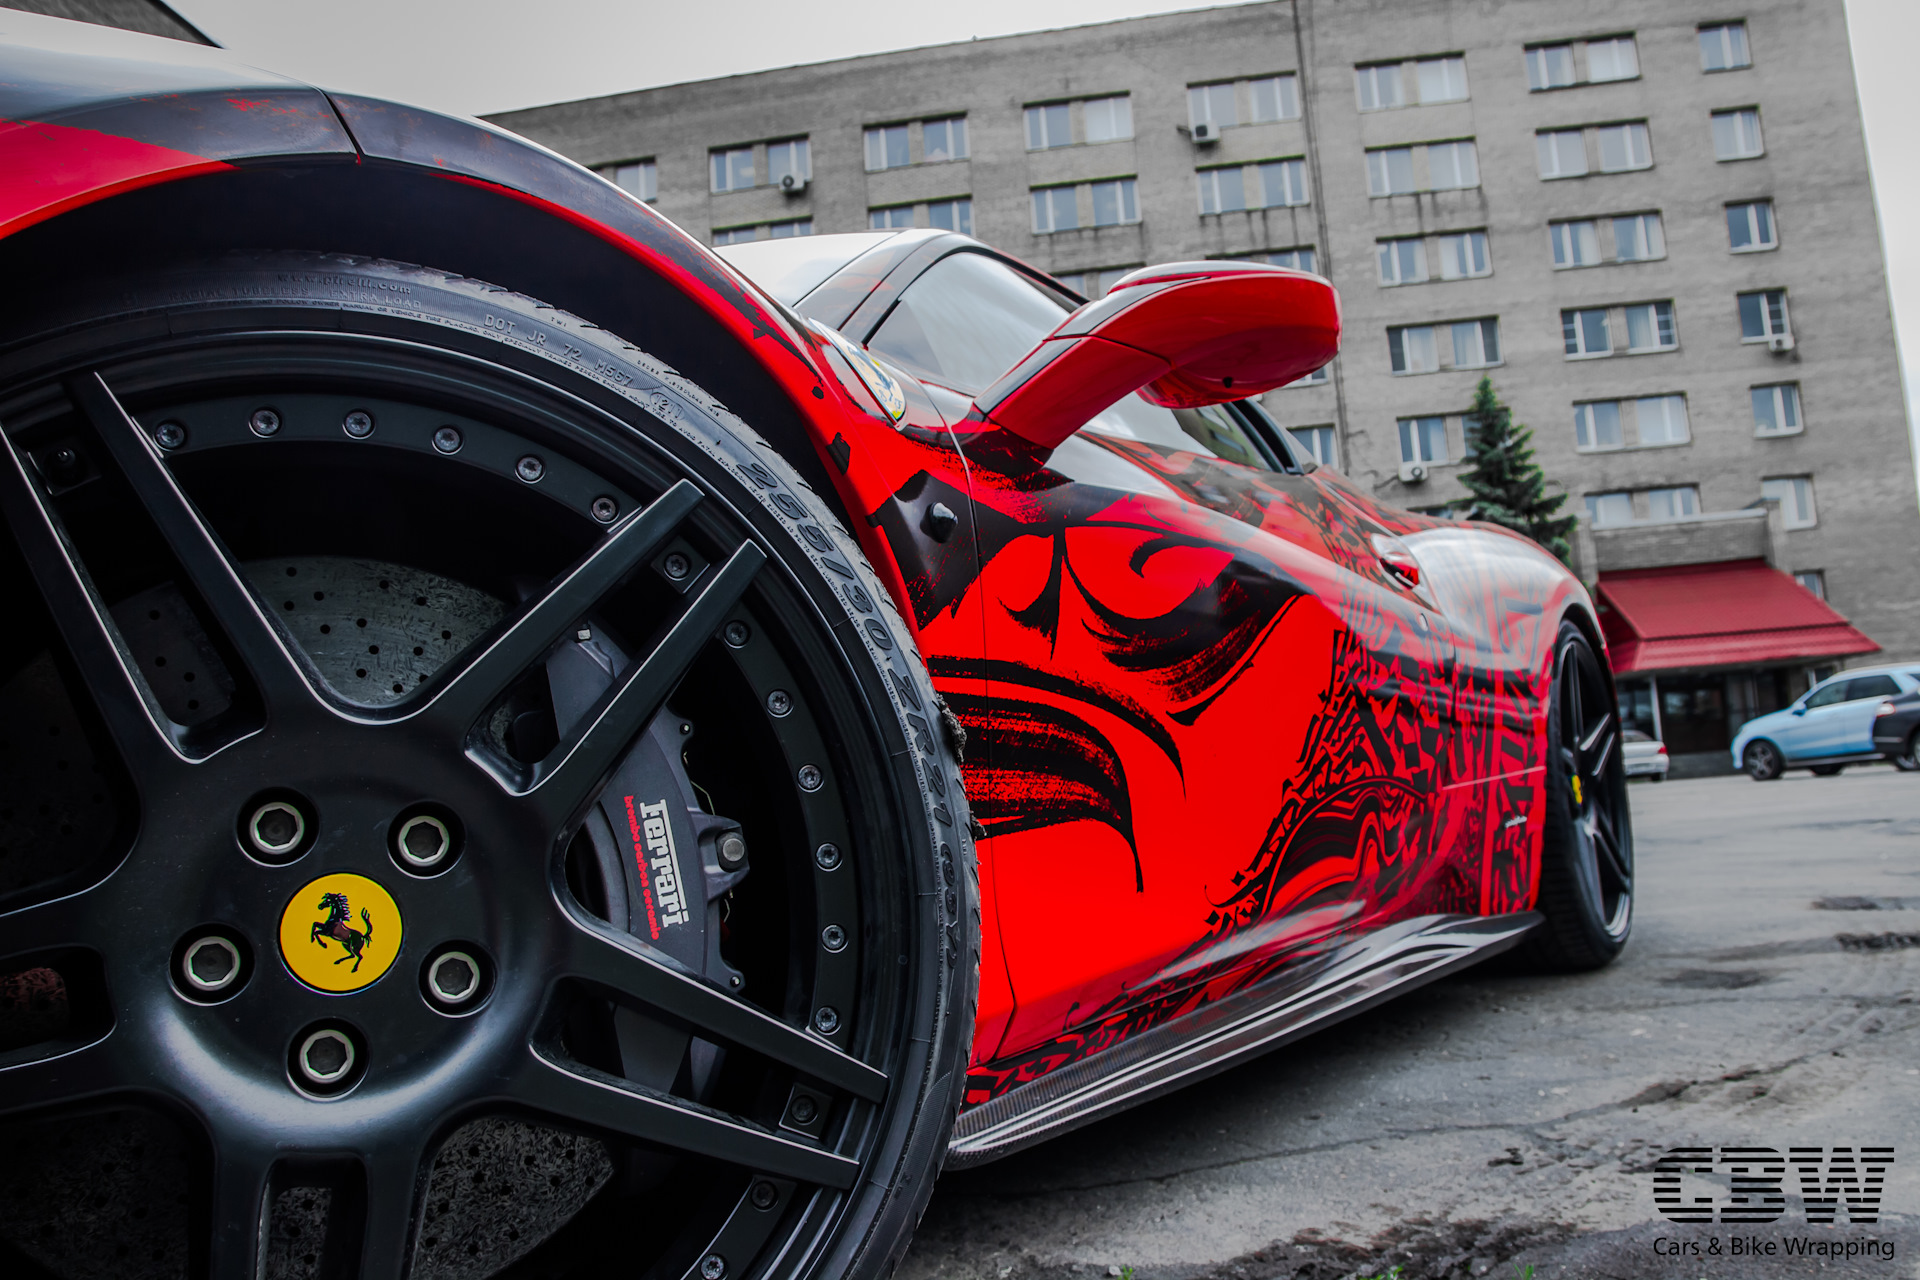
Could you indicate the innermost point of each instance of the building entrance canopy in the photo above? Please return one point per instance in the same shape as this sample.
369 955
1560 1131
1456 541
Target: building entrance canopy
1736 613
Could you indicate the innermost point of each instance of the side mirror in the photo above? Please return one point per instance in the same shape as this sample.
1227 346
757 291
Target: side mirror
1799 711
1183 335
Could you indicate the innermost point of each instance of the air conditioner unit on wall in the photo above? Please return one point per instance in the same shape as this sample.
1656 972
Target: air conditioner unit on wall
792 184
1780 342
1205 133
1413 473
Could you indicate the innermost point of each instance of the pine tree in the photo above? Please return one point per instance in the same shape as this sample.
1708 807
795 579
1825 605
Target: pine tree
1507 485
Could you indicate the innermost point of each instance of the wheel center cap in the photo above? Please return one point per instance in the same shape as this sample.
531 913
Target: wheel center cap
340 932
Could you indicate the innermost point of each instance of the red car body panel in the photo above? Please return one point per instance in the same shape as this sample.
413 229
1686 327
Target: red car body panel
1210 730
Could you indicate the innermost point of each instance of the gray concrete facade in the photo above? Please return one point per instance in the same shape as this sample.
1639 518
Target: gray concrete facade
1850 439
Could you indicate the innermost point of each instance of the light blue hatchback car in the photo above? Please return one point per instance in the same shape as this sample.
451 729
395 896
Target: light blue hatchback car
1826 729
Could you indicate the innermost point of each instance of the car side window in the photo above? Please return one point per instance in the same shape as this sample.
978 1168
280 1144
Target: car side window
1828 694
967 320
1871 687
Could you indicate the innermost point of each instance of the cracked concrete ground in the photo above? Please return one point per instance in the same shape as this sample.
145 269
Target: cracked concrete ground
1495 1119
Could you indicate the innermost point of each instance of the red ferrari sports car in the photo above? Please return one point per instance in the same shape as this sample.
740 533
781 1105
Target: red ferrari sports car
530 749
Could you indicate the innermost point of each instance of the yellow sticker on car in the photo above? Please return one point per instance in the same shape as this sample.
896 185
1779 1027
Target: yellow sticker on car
340 932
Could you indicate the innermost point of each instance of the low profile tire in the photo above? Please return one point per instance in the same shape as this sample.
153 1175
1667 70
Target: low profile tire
1909 760
1826 770
1586 854
325 569
1762 761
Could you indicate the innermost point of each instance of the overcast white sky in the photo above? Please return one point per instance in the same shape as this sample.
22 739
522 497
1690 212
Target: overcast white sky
475 56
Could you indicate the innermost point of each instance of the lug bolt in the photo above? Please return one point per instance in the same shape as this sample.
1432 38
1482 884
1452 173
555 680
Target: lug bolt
827 856
826 1019
677 566
264 422
804 1109
326 1056
358 424
211 964
834 938
780 702
448 440
530 469
454 977
171 435
62 464
713 1267
605 509
737 634
765 1195
732 849
276 828
424 841
809 777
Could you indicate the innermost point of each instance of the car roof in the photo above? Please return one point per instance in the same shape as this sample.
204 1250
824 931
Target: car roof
794 266
1907 669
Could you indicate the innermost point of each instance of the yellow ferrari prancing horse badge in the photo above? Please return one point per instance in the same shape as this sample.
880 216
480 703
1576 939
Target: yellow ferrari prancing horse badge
340 932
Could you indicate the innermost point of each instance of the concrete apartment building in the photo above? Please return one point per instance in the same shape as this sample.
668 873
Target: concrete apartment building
1652 225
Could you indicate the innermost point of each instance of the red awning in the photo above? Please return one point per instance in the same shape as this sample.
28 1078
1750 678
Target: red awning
1736 613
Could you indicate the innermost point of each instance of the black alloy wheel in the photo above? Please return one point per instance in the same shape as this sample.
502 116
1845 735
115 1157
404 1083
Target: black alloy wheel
1762 761
466 808
1908 761
1586 854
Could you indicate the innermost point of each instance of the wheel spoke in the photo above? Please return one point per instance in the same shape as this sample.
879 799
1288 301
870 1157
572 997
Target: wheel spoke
1607 841
73 1076
237 1222
599 1102
146 737
625 969
1596 748
393 1188
578 764
45 926
561 608
247 626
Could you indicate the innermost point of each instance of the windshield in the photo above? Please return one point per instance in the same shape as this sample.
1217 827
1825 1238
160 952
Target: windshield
794 267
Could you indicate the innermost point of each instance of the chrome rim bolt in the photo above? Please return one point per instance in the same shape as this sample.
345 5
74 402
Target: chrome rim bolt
804 1110
530 469
676 566
826 1020
713 1267
211 964
737 634
264 422
358 424
424 841
326 1057
605 509
764 1195
276 828
171 435
732 850
834 938
827 856
780 702
454 978
448 440
809 777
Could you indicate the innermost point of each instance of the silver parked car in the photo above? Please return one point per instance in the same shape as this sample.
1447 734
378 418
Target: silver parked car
1643 755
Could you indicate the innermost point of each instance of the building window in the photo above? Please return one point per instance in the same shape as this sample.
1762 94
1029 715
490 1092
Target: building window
1575 244
1314 379
1463 344
733 169
1297 259
1596 425
1795 494
1049 126
790 159
1624 147
1276 98
952 215
1316 443
1814 580
1114 204
1273 183
1055 209
1453 166
1390 171
1723 47
1563 153
1673 504
1403 261
1462 256
792 227
1283 183
1763 315
900 215
636 177
1423 440
1736 134
1662 420
1476 343
1212 104
1607 509
886 147
1750 227
1612 59
1638 237
1379 87
944 139
1412 349
1776 409
1450 166
1550 66
1108 119
1650 327
764 231
1442 79
735 235
1095 284
1586 332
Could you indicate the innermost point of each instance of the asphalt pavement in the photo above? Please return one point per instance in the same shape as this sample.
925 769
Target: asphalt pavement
1498 1120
